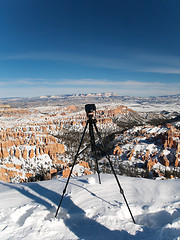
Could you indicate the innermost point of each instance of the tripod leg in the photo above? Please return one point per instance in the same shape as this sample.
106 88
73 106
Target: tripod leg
108 157
93 148
97 167
77 154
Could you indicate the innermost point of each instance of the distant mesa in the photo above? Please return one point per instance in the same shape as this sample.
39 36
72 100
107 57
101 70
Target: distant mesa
42 97
4 106
55 96
71 108
52 96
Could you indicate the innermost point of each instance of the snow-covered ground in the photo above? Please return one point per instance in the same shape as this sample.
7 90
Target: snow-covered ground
90 210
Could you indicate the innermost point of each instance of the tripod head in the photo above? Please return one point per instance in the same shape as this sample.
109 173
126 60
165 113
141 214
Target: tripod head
90 110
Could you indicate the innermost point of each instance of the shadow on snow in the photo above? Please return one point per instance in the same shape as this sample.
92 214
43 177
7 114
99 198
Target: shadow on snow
75 217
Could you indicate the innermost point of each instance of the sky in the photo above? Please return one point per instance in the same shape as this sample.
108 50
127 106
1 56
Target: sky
55 47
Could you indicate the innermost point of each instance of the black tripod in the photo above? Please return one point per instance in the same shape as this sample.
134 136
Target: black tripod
90 108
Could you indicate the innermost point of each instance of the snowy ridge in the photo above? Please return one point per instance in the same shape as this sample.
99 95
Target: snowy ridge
142 104
90 210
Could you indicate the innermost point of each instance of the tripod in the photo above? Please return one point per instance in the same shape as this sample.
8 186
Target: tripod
92 124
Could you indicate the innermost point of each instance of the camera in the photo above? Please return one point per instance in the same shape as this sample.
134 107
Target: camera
90 109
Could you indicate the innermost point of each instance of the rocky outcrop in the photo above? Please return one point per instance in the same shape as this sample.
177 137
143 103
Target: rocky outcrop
165 161
25 154
17 153
53 171
18 167
54 148
117 151
66 172
71 108
114 112
41 151
4 152
176 164
31 153
7 143
170 138
9 165
12 152
14 111
28 175
151 163
36 152
4 176
84 164
104 121
45 150
147 155
87 172
47 176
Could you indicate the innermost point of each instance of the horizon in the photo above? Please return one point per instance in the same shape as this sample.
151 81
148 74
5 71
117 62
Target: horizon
69 47
85 94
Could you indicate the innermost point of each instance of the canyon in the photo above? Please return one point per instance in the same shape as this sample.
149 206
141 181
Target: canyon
32 145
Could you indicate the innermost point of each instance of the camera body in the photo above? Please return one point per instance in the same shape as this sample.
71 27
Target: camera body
90 110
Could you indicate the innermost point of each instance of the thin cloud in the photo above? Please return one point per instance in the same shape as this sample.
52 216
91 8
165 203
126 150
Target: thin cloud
135 62
164 70
29 81
162 59
89 82
21 81
30 87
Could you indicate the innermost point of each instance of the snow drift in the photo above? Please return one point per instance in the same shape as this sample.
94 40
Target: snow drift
90 210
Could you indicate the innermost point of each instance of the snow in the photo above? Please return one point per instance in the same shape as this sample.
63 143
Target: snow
90 210
156 130
166 152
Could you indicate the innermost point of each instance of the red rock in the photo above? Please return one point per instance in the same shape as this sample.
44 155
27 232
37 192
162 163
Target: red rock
53 170
41 151
87 172
66 172
150 164
45 149
17 143
2 170
5 152
147 155
54 148
28 175
7 144
176 162
178 147
36 152
31 153
4 177
25 154
18 166
117 151
17 153
165 161
9 165
12 173
84 164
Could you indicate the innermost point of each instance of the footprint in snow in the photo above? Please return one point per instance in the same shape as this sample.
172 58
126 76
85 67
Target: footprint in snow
21 214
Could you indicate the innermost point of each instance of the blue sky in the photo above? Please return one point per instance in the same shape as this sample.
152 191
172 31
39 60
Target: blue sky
53 47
